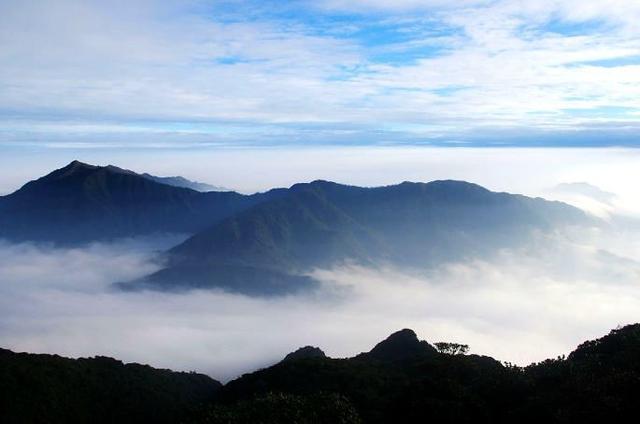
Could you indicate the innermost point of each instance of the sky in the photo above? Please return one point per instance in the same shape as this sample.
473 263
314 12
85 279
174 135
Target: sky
203 74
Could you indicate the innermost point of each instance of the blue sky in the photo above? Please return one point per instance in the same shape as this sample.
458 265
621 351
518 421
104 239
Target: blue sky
189 74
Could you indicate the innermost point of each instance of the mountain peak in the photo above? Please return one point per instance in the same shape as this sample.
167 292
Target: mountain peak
401 345
73 168
314 184
76 164
305 353
406 337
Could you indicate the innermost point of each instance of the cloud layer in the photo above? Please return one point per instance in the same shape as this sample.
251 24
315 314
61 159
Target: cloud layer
520 306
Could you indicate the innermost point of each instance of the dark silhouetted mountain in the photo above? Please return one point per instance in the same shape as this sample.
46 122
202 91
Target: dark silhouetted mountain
81 202
321 224
184 183
305 352
599 382
388 384
282 408
51 389
400 346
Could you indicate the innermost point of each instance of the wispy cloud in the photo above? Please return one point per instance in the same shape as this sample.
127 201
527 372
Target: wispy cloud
464 72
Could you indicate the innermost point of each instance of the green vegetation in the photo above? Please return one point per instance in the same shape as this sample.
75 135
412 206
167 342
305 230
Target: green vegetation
452 348
279 408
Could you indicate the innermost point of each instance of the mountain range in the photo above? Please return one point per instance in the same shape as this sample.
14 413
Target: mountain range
267 243
271 247
178 181
401 380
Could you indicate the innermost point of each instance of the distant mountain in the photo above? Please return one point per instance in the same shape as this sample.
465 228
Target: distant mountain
184 183
413 383
51 389
266 243
81 202
587 190
320 224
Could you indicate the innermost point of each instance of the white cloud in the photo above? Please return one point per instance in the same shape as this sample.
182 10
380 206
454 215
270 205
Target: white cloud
367 6
161 62
521 306
617 11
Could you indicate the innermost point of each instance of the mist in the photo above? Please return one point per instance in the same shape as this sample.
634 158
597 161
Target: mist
519 305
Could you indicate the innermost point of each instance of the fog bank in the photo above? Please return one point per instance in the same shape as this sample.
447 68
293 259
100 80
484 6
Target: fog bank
520 306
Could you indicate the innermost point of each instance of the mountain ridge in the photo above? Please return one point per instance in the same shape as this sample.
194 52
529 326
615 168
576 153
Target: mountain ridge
81 203
44 388
269 243
597 382
320 224
179 181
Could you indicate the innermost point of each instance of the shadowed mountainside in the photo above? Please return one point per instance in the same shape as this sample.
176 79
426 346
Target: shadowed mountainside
320 224
82 203
267 243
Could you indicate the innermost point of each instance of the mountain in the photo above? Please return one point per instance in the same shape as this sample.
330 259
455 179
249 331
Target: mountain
320 224
422 380
51 389
81 203
401 380
184 183
305 352
413 383
587 190
402 345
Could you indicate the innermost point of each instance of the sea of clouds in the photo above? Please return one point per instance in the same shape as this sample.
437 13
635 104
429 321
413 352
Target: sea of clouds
520 305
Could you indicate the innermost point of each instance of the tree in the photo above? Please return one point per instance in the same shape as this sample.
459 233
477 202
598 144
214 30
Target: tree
452 348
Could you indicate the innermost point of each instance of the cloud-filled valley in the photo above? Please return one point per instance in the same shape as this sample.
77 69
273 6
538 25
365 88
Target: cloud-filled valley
520 306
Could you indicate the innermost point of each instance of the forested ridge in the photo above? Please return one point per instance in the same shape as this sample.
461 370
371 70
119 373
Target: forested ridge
401 380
